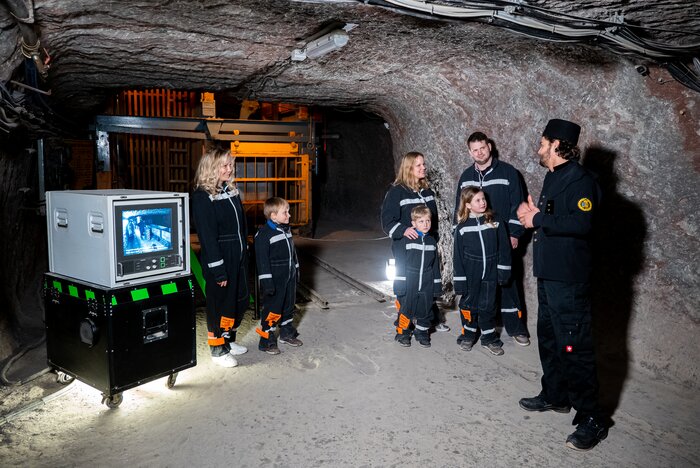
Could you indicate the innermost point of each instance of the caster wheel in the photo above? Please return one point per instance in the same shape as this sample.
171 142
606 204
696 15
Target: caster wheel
171 380
112 401
63 378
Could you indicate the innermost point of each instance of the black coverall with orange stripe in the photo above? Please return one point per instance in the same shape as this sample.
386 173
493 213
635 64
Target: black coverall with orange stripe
276 260
221 227
481 262
417 283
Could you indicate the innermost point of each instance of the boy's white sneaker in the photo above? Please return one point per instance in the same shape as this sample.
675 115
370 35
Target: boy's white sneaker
226 360
237 349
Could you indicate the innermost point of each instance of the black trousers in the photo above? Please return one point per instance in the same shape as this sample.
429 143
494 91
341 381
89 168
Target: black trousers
415 314
566 346
511 311
478 310
278 310
226 308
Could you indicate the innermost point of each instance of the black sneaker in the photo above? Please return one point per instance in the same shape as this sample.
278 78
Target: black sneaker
423 341
587 434
403 340
522 340
270 349
295 342
466 345
538 403
494 348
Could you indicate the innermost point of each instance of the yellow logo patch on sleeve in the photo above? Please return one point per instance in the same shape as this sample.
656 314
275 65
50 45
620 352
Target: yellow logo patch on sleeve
585 204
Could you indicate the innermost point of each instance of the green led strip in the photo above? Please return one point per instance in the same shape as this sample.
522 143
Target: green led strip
196 269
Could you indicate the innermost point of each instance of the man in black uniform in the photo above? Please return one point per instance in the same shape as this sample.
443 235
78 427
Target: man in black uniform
563 219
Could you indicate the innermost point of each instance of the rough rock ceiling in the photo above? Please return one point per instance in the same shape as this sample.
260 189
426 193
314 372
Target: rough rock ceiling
244 47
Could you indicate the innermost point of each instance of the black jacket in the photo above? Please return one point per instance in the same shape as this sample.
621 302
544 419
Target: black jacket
501 183
482 252
397 206
562 245
221 227
275 257
417 267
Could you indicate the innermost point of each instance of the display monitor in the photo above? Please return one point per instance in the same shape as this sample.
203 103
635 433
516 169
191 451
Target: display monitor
118 237
145 230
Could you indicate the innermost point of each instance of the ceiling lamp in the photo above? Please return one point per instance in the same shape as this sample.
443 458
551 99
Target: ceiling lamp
325 44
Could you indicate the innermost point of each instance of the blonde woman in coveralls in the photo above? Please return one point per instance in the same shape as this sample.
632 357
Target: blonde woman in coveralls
221 227
409 190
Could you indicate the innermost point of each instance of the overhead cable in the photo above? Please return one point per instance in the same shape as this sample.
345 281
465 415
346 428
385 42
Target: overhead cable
544 24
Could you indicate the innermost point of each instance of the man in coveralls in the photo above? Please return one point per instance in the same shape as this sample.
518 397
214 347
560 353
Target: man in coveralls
563 219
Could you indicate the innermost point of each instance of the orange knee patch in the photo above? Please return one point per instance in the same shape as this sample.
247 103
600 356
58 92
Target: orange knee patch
398 306
467 314
404 321
226 323
272 318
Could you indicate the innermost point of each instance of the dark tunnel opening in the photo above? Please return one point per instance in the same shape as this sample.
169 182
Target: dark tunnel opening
355 171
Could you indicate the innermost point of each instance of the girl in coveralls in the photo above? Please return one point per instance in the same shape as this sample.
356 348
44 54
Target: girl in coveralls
278 271
481 261
221 228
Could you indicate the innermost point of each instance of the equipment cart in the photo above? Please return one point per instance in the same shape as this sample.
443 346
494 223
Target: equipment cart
114 339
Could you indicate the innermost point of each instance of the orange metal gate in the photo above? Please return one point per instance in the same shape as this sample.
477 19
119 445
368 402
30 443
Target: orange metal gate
264 170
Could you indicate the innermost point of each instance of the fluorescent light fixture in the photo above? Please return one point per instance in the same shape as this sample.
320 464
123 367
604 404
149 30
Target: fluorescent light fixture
316 48
298 55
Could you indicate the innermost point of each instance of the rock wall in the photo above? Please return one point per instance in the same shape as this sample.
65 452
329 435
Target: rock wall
23 253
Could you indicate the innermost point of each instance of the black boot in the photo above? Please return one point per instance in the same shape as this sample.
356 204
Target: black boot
589 432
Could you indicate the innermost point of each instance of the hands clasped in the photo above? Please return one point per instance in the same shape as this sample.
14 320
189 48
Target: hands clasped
526 212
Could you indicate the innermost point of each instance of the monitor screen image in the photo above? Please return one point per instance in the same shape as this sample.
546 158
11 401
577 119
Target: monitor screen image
146 230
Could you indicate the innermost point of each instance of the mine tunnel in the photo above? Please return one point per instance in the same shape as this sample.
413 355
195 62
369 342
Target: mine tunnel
318 101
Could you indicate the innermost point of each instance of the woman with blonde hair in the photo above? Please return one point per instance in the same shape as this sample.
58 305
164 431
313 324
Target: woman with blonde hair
221 226
409 190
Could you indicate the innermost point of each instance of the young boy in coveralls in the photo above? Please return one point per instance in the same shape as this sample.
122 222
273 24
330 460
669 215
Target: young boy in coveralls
417 280
278 270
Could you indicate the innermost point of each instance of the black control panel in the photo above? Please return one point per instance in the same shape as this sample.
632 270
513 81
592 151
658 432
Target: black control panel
148 264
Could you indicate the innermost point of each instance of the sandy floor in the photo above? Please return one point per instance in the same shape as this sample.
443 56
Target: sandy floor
349 397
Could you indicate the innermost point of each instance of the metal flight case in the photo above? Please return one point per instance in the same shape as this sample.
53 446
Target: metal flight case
114 339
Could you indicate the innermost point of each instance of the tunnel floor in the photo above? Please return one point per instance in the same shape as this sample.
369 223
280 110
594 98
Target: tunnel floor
350 396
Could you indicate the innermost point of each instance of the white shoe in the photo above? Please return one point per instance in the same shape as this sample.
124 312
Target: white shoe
225 360
237 350
441 327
